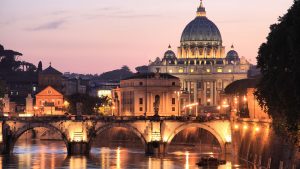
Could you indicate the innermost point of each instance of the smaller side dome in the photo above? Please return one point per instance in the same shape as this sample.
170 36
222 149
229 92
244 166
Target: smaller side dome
232 55
169 56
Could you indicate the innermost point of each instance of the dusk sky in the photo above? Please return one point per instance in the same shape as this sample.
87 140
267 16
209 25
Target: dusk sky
93 36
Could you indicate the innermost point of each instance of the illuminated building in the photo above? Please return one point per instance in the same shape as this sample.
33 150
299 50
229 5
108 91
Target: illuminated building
137 94
201 64
49 102
242 101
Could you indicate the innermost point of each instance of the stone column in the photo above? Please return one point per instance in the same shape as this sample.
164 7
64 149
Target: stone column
211 93
216 93
195 91
204 93
150 103
163 103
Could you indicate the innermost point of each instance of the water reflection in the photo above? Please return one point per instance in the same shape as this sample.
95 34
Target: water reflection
49 154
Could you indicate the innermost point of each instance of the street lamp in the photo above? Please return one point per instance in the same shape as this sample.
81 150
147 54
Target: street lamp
190 106
112 110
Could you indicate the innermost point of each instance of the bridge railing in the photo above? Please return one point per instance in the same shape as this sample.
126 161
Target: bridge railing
200 118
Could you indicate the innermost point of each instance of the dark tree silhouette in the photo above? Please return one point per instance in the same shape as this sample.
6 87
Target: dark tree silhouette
90 104
9 62
279 61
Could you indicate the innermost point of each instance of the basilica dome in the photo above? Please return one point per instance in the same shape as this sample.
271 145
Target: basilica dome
169 56
201 29
232 55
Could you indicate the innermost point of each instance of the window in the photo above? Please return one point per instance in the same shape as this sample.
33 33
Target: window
141 108
173 108
180 70
141 101
170 71
208 70
219 70
229 70
199 85
141 83
192 70
173 83
173 101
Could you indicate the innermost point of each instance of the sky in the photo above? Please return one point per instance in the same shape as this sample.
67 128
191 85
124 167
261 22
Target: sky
94 36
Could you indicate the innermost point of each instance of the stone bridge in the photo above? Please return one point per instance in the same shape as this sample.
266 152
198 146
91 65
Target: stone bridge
78 132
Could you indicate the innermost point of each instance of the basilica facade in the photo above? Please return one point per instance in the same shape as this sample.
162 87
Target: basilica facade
201 64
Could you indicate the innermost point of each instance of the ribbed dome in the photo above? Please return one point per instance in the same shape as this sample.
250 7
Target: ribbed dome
169 56
232 54
201 29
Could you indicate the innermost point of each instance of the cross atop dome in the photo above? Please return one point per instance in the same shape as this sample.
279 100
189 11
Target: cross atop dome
201 10
169 47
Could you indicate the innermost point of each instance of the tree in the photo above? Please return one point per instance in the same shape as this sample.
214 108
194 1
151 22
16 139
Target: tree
90 104
279 88
126 68
2 92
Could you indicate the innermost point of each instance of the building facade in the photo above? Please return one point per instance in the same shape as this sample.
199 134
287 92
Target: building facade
201 64
49 102
140 94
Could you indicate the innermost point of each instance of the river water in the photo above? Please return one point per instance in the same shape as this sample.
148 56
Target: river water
39 154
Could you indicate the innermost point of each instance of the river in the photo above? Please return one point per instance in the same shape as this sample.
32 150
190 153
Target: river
39 154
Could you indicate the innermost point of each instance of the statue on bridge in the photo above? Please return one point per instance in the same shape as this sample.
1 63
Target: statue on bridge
156 105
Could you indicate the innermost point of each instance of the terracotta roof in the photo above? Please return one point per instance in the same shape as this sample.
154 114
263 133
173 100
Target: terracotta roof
241 86
51 70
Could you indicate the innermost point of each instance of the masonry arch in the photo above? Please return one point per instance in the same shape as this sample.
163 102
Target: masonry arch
30 126
123 125
206 127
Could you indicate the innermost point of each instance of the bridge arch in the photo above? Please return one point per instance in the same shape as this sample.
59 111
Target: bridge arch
30 126
123 125
206 127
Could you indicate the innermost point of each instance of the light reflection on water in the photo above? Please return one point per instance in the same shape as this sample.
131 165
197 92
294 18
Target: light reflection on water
53 154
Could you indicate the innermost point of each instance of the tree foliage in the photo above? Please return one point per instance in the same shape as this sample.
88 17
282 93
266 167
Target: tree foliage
279 60
9 62
90 104
116 75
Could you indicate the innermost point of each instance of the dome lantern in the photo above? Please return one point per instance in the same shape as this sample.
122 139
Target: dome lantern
201 10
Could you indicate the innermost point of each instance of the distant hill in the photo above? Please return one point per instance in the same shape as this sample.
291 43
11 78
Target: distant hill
115 75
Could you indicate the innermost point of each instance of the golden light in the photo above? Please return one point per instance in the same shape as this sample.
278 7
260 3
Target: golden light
208 100
35 108
245 99
228 139
235 100
187 154
66 103
257 129
236 126
25 115
245 127
219 107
